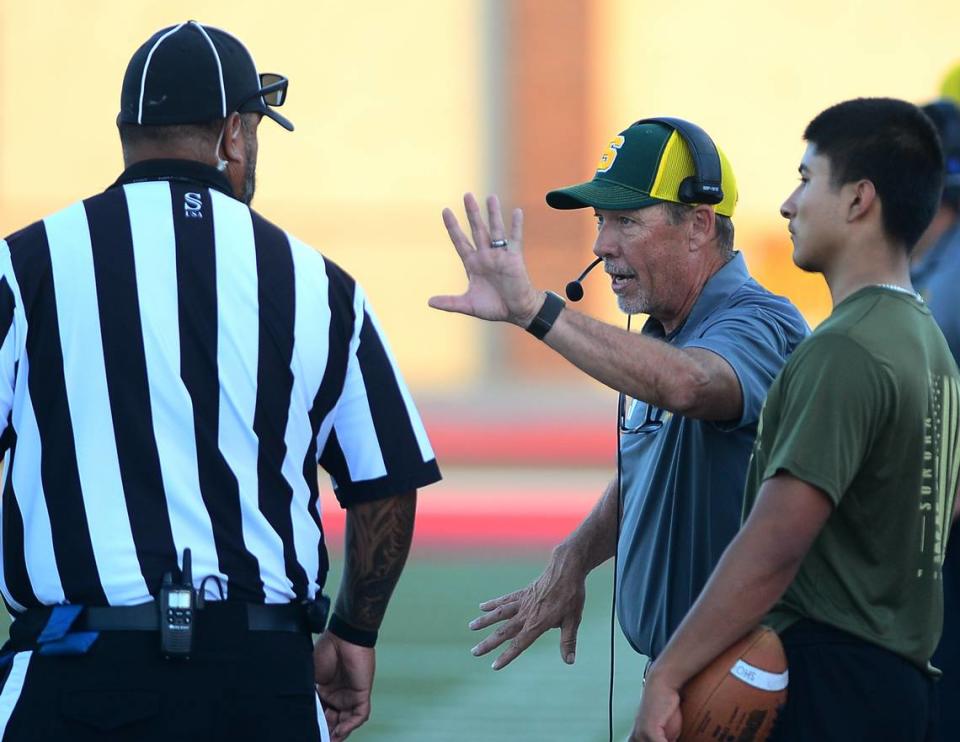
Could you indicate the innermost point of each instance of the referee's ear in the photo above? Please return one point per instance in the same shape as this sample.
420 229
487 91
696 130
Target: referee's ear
238 149
232 143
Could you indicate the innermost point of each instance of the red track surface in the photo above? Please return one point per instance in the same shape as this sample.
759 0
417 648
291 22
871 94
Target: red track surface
452 517
517 481
560 442
470 531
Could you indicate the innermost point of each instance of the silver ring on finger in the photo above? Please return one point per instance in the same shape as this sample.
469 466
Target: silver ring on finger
498 243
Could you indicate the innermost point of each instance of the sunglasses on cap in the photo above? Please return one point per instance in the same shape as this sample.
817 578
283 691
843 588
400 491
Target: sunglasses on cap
272 94
273 90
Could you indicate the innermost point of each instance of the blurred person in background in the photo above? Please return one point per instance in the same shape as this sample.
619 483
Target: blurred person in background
935 273
851 484
950 85
698 372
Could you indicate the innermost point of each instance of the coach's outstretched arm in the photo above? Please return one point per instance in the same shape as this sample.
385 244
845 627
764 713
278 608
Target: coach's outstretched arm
378 536
692 382
555 599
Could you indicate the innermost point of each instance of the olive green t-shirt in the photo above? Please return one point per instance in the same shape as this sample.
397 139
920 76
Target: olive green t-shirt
867 410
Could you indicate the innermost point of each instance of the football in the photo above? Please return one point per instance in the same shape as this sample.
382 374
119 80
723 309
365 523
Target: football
736 697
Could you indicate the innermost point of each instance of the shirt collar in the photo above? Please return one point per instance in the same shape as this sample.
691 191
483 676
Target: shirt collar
185 171
715 292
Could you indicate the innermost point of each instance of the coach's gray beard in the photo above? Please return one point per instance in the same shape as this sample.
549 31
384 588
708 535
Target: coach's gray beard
633 304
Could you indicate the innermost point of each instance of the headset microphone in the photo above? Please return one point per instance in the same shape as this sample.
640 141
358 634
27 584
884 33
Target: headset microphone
574 290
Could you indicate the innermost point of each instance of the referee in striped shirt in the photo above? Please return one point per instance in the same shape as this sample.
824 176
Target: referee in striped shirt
173 368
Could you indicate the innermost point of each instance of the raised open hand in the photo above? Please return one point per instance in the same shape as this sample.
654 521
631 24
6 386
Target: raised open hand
498 287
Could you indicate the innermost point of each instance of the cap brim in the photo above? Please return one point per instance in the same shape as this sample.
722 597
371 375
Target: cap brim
282 120
600 194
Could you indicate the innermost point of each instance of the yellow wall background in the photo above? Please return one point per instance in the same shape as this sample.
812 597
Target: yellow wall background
753 74
384 96
392 106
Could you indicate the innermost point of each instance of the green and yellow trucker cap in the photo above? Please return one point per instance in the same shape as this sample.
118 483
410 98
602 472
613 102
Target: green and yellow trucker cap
642 166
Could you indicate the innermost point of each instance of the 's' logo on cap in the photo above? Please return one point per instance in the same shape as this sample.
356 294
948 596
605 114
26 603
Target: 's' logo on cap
609 154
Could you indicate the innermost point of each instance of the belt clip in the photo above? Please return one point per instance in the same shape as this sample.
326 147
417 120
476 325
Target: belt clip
317 611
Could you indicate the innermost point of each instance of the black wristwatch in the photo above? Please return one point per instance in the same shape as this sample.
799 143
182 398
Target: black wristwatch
541 324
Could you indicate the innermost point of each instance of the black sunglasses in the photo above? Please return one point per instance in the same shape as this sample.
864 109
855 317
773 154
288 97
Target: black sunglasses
652 421
273 90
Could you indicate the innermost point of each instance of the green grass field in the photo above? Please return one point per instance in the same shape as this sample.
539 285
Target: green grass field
430 688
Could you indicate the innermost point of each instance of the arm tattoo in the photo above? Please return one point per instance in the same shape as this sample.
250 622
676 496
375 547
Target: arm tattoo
377 542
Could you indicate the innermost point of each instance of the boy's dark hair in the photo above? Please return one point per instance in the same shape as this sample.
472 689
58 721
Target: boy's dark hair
892 144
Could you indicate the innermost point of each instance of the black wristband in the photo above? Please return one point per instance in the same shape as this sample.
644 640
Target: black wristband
347 632
541 324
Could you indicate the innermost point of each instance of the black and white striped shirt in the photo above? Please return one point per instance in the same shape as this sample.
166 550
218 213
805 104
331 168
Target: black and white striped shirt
173 368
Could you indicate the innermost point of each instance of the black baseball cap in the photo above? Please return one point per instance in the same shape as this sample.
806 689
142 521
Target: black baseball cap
191 74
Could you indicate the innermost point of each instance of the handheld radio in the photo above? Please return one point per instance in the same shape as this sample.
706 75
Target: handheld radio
177 604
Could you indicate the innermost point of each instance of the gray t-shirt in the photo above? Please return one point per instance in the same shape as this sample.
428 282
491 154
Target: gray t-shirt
936 276
683 479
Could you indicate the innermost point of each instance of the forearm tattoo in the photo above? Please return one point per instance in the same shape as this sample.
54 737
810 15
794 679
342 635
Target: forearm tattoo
377 542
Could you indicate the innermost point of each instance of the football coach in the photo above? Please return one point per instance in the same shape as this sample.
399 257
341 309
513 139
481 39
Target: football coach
663 196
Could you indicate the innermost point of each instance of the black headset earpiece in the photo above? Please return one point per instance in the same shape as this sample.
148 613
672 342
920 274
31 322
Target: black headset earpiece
704 187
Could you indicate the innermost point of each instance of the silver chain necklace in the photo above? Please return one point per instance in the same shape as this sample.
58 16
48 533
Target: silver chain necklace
900 289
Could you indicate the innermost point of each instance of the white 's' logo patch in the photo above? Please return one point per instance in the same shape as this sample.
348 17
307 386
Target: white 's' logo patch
193 205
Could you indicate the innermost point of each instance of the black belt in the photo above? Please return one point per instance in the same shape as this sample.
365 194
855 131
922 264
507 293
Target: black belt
290 617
